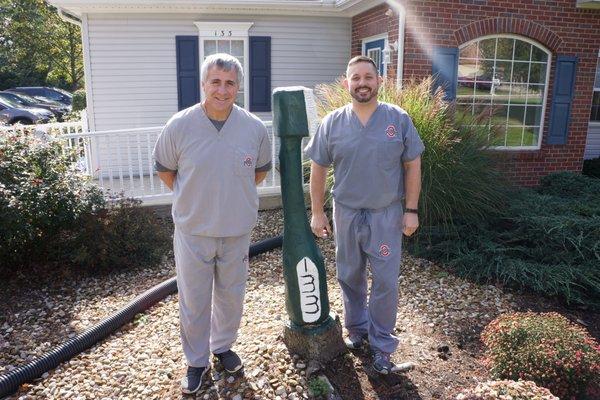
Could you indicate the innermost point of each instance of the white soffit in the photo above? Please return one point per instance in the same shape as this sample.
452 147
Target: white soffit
336 8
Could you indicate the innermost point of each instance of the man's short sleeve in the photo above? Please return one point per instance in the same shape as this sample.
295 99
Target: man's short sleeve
413 146
165 153
317 148
264 162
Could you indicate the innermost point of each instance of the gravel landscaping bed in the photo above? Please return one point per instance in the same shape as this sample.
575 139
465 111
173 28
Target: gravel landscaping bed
440 317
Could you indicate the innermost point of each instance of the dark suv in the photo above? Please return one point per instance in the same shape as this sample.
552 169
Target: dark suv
44 92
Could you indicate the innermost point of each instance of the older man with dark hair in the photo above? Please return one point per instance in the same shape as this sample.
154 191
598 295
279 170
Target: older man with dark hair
375 152
212 155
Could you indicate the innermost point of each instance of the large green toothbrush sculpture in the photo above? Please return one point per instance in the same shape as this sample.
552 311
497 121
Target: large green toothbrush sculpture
311 332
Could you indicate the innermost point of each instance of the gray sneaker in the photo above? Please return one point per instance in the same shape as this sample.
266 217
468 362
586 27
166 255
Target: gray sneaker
382 362
230 361
354 342
193 379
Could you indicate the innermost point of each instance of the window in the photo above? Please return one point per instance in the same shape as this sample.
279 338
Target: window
372 47
503 80
230 38
375 55
233 47
595 115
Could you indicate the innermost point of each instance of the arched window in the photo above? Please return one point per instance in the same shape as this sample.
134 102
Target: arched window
504 79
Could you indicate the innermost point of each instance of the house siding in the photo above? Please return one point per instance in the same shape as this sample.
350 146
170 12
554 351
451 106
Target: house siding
558 25
592 147
133 62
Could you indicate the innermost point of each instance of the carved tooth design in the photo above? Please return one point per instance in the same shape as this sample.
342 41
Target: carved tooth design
308 284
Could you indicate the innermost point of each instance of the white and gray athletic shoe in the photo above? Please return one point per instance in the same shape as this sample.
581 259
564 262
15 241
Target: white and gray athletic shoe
193 379
382 362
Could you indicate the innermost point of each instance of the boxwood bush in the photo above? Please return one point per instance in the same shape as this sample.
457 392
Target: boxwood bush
53 215
545 348
79 101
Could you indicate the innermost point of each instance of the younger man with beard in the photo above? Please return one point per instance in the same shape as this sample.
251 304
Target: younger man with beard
375 152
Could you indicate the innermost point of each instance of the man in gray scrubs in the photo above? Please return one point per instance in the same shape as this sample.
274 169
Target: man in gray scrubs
375 152
212 155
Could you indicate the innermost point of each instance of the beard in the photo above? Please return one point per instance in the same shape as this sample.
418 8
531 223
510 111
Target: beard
364 98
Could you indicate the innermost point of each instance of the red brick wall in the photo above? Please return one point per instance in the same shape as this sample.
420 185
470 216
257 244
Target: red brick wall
372 23
558 25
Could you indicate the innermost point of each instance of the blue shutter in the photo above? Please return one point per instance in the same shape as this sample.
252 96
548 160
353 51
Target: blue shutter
562 97
444 69
376 44
188 71
260 73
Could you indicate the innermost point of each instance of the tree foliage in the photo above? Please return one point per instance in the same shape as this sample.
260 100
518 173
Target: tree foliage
37 47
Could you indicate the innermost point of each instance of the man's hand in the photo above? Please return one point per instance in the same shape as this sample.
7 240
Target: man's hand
168 178
320 225
410 223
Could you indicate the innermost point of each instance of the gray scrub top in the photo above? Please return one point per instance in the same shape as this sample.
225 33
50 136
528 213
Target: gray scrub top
367 160
214 193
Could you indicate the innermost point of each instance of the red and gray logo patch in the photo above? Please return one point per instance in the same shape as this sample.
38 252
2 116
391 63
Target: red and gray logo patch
245 259
384 250
248 161
391 131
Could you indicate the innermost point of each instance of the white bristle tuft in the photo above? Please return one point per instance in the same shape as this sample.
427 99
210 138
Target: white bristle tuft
311 111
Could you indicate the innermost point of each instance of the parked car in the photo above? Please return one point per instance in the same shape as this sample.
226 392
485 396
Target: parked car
50 93
11 113
23 100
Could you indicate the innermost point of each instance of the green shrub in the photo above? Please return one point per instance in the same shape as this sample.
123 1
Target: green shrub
547 241
79 101
545 348
459 178
592 167
318 387
570 185
124 235
51 214
500 390
41 194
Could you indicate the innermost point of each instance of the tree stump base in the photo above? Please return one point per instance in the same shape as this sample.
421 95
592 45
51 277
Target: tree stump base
320 343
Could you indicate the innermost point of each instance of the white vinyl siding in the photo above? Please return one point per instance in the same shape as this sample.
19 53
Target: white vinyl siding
592 146
133 63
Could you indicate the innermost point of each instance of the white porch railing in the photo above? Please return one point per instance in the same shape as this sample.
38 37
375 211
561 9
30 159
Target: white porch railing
120 161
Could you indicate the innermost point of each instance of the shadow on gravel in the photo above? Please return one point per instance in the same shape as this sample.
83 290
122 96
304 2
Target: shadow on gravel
354 378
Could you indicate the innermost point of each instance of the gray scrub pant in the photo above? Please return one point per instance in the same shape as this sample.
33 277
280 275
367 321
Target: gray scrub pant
376 236
211 280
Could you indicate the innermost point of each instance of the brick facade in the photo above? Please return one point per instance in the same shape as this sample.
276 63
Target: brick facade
558 25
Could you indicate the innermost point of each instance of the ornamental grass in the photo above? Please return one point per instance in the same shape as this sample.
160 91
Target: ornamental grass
459 177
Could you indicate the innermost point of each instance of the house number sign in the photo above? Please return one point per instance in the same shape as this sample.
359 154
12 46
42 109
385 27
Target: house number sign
223 33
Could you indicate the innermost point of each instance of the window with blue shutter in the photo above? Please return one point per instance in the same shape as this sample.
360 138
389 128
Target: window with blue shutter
562 98
374 50
260 73
444 69
188 71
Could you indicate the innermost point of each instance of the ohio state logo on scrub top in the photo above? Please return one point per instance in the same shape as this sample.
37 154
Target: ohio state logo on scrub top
384 250
390 131
248 161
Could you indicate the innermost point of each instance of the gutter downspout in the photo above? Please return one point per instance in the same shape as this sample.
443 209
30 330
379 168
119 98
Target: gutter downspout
87 68
401 32
65 16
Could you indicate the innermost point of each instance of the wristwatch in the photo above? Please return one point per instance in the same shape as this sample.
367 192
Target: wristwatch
411 210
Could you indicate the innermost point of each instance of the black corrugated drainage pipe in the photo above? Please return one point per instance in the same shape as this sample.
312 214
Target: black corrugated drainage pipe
10 382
